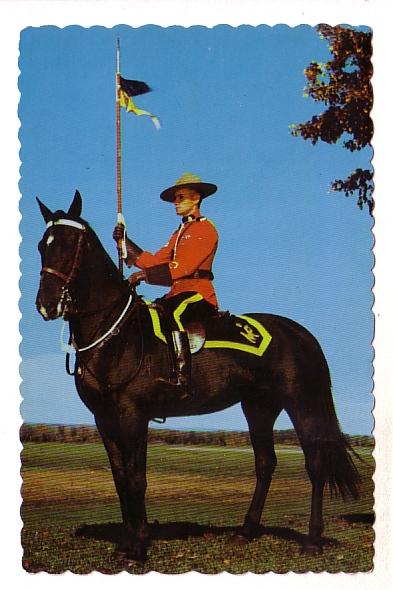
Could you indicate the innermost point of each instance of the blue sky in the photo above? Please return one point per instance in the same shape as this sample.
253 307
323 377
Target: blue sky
226 97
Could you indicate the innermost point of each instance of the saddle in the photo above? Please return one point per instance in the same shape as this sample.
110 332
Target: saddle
223 330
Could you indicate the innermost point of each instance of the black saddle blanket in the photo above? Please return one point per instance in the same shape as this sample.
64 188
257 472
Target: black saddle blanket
240 332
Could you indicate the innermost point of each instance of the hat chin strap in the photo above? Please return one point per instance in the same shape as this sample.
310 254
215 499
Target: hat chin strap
188 218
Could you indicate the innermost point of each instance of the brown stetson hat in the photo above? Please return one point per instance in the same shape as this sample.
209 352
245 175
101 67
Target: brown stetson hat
188 180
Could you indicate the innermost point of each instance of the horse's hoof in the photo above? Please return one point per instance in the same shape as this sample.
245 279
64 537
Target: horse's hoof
312 549
127 561
130 559
131 563
238 540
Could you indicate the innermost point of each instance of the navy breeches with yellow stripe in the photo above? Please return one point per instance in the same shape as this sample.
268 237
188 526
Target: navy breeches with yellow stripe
184 308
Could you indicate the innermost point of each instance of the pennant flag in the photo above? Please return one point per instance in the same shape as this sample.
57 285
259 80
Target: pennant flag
133 87
129 88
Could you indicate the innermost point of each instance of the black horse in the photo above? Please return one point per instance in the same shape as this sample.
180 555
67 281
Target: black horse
118 360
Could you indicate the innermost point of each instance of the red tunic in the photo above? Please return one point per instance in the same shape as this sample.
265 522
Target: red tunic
191 248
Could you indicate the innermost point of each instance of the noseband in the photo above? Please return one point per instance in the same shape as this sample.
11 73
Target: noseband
67 279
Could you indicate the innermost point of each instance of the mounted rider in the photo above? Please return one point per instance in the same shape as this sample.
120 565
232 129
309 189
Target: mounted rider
185 265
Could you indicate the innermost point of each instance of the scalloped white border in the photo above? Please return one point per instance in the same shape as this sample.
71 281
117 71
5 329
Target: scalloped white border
16 15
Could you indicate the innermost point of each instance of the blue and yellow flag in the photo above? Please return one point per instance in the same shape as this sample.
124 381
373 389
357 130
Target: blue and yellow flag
130 88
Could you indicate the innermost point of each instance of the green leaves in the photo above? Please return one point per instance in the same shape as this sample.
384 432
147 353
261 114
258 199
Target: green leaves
360 182
343 84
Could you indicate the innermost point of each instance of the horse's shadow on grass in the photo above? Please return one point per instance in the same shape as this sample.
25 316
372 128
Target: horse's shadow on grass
171 531
359 518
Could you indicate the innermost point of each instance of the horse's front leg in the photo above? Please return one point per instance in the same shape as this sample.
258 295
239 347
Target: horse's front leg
134 447
125 440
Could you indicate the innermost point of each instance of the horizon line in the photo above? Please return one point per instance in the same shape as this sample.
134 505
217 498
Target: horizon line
176 429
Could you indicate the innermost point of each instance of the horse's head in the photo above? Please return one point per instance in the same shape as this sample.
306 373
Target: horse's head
61 249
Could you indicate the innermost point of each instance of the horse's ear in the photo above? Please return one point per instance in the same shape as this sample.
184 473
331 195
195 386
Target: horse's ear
75 209
46 213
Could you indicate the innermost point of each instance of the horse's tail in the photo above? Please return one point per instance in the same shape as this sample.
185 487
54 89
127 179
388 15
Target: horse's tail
340 471
326 448
336 455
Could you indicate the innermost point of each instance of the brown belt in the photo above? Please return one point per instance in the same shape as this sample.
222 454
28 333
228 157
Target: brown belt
201 274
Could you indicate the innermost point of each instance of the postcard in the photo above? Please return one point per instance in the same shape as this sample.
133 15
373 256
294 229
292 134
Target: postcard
198 209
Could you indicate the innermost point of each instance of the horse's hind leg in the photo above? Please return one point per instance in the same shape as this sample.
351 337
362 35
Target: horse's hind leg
308 430
313 543
260 422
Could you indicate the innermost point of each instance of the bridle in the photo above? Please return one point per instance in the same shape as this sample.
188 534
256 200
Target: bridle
67 280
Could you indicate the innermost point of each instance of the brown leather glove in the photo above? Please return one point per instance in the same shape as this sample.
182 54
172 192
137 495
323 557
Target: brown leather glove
136 278
133 250
118 232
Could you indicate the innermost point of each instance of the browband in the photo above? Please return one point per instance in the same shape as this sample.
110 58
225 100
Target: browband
66 222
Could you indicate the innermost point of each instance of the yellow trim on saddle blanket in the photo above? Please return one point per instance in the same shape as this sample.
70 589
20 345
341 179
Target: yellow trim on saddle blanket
247 327
247 333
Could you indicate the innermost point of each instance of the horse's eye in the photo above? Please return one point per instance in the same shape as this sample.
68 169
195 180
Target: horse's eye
49 240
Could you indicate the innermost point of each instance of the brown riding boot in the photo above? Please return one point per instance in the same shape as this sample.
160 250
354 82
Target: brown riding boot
179 348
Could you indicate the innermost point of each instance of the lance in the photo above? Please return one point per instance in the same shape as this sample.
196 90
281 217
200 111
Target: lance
124 98
120 217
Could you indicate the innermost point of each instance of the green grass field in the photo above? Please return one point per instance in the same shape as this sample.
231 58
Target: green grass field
196 498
